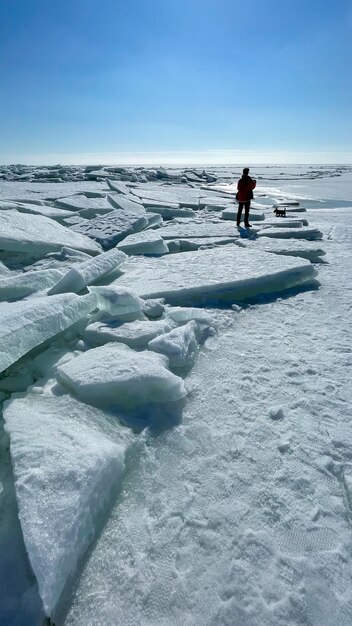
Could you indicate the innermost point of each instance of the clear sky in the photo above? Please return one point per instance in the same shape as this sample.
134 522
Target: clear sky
172 80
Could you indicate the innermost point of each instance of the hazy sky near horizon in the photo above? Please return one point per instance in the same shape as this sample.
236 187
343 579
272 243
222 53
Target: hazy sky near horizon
172 77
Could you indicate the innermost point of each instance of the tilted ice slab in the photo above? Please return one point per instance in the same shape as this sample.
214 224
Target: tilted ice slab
311 234
27 324
157 204
86 273
135 334
147 242
110 229
38 235
228 272
180 345
21 285
288 247
48 211
68 462
4 271
80 202
118 186
114 375
126 203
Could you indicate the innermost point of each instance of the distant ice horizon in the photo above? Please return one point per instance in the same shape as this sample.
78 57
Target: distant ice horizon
215 158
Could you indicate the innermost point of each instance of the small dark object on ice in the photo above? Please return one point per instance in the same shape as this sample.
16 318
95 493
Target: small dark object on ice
280 212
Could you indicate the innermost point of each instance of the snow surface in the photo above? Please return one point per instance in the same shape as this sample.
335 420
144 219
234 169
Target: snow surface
240 513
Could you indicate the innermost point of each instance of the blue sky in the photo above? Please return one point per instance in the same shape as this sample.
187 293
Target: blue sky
158 78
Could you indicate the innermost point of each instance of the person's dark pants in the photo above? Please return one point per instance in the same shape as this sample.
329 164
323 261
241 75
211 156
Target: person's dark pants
246 206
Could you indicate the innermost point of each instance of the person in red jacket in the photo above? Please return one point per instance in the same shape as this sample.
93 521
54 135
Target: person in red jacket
244 195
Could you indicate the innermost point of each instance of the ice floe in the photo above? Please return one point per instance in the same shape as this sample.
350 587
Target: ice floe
180 345
288 247
27 324
146 242
113 375
37 235
21 285
119 302
88 272
68 463
126 203
48 211
135 334
110 229
311 234
228 272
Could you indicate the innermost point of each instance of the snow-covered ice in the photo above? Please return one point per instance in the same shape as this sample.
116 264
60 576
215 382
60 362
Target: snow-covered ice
240 514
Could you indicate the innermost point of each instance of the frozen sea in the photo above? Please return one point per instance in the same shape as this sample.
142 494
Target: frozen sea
178 466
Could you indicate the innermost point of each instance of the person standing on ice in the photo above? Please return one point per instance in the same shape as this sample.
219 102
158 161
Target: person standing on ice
244 195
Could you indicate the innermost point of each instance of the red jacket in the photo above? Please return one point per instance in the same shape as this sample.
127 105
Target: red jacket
245 187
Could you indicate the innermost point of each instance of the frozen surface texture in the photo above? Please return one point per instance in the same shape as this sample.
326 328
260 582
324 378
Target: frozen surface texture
207 275
27 324
68 462
241 514
36 234
115 375
89 271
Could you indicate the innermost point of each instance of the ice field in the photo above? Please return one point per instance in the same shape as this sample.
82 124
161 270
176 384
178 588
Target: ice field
176 435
